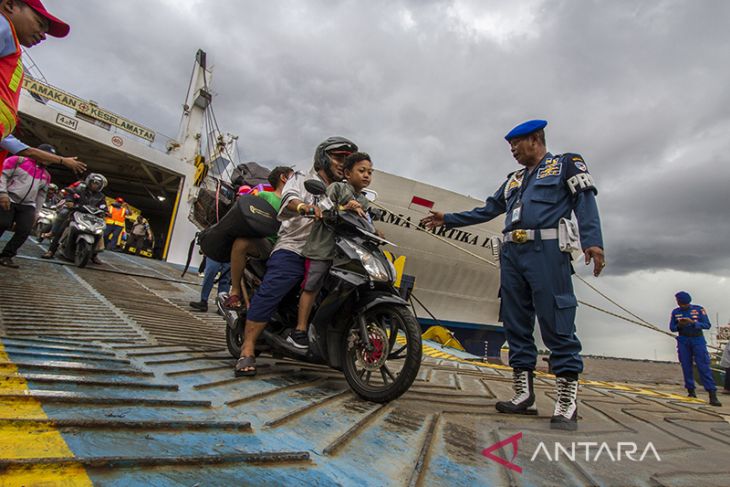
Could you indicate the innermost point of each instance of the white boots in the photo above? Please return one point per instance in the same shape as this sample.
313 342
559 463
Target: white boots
523 401
565 416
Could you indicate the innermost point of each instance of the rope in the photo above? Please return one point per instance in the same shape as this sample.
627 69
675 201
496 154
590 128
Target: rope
441 238
638 321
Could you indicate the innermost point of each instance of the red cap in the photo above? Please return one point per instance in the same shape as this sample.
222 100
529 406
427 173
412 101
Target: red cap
57 27
120 199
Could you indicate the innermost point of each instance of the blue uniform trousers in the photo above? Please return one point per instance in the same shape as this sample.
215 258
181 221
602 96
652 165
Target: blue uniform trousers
536 280
689 348
112 231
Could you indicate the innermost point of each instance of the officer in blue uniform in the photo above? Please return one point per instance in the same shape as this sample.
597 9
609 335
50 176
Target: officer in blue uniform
535 273
688 320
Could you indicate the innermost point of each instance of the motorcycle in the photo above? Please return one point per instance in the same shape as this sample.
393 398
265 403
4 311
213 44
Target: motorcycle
44 223
359 325
80 241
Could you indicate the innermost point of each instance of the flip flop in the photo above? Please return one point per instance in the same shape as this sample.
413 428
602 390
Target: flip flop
246 367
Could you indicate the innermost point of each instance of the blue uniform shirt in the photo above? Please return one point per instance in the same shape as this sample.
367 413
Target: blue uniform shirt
696 313
558 186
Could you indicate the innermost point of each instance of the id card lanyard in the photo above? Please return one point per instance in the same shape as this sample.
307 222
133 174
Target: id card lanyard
517 209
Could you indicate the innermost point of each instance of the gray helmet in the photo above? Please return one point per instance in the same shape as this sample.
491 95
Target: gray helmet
48 148
332 144
95 177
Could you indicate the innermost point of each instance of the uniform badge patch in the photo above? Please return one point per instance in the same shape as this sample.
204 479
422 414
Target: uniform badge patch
580 165
515 181
551 168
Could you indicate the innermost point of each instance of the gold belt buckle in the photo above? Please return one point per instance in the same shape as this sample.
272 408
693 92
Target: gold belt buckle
519 236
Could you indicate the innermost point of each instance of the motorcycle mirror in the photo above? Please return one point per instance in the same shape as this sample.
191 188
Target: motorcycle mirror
314 186
370 195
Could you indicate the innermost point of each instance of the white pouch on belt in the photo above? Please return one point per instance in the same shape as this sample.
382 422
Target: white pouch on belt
568 236
495 243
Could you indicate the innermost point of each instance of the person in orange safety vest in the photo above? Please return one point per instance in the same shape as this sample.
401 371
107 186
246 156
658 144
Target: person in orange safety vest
115 223
22 23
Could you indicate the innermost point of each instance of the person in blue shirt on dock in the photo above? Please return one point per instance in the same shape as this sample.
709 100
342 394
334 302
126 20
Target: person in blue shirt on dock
536 269
688 321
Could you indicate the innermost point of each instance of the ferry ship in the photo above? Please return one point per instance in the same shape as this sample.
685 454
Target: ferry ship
161 177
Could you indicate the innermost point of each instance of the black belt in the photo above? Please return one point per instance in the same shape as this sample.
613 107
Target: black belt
690 334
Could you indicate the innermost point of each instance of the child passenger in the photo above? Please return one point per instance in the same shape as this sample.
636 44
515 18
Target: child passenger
320 247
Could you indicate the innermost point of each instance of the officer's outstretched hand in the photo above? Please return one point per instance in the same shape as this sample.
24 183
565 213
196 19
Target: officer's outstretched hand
435 219
74 164
599 261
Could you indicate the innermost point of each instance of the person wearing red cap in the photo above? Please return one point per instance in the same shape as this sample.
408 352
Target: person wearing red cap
22 23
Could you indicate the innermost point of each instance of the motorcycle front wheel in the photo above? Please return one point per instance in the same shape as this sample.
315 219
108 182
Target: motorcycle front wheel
385 369
83 253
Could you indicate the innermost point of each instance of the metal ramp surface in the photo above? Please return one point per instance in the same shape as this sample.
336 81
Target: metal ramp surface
107 378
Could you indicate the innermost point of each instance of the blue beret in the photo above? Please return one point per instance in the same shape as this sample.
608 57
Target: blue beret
525 128
683 297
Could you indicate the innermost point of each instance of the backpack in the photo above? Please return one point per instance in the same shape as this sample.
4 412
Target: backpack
250 217
250 173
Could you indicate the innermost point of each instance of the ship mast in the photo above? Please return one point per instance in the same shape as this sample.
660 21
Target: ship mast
197 101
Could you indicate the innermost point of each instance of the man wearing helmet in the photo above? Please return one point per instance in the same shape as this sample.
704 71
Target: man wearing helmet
86 194
285 267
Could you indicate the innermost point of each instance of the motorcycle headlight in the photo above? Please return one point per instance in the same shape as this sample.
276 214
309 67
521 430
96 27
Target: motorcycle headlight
375 269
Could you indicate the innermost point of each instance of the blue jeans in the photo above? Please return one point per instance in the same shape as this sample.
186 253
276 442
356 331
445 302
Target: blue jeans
212 268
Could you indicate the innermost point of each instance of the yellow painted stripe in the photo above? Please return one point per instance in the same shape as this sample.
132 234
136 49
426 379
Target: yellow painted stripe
434 352
31 441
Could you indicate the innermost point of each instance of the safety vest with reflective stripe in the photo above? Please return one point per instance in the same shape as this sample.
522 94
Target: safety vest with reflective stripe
11 80
117 216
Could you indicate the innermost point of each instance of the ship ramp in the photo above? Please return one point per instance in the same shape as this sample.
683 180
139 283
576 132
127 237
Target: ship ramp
108 378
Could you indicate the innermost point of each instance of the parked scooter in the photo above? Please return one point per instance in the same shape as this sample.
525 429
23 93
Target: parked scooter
80 241
44 223
360 324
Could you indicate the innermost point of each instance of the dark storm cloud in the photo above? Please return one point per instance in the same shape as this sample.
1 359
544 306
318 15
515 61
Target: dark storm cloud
430 88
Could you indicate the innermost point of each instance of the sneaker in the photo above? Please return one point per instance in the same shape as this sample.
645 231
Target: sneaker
565 416
8 262
523 402
691 393
298 339
201 306
48 255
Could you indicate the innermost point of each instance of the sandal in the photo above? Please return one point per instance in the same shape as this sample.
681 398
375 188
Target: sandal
246 367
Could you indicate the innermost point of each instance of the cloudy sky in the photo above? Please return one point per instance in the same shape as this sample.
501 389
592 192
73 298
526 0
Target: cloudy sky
429 88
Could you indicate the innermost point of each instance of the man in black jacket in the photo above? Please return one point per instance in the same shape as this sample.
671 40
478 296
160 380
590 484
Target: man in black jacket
86 194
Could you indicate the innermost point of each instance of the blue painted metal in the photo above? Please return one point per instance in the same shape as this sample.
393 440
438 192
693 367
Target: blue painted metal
143 394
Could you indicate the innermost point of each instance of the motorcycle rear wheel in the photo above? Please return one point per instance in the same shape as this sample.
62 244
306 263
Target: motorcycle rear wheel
83 253
386 371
